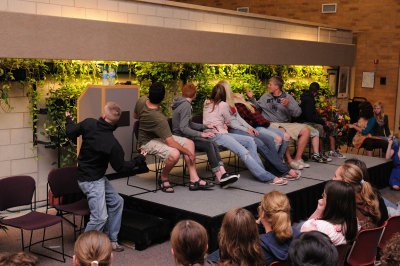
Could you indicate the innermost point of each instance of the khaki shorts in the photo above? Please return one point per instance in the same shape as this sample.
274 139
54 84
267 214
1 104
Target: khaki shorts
160 148
293 129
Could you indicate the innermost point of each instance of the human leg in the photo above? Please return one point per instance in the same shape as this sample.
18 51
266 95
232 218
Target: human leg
115 205
279 134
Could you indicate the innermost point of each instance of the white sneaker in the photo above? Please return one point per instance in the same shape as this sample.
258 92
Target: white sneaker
305 165
296 165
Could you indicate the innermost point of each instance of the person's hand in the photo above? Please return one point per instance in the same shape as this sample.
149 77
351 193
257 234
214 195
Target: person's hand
329 125
250 132
390 140
249 93
285 101
320 207
68 114
207 135
225 126
144 153
351 126
255 131
213 127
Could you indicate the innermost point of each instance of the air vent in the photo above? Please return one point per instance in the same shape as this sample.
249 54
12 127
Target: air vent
243 9
329 8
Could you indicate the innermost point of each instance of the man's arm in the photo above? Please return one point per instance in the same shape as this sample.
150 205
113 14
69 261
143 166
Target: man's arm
173 144
293 106
72 130
252 99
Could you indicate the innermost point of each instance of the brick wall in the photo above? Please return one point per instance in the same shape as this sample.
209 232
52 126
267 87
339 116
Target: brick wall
376 23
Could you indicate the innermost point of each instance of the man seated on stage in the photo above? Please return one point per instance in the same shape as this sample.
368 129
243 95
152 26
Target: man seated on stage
279 107
155 137
310 117
100 147
183 126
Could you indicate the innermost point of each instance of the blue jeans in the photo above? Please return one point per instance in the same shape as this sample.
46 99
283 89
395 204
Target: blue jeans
246 149
265 146
105 206
273 132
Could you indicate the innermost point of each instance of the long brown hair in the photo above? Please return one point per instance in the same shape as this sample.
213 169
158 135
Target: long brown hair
238 239
218 95
93 246
189 243
353 175
276 207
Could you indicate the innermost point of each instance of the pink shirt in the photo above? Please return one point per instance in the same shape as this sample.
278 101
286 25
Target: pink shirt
333 231
219 116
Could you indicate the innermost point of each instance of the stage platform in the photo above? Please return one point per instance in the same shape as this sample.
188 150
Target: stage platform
209 207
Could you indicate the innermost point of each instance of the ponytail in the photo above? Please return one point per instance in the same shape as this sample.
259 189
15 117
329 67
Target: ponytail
371 201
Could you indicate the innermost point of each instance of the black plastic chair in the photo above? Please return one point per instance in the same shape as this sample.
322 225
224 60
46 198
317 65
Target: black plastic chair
18 191
63 183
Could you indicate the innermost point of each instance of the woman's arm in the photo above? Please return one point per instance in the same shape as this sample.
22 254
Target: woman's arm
386 129
389 150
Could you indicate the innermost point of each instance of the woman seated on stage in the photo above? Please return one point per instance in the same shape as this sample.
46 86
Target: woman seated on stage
189 243
381 128
367 201
92 248
335 215
364 128
216 112
264 141
238 239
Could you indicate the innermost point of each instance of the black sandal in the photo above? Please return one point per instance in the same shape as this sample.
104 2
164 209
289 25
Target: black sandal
164 188
193 186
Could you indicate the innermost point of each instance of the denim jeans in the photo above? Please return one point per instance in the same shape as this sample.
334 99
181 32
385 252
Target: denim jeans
212 150
105 206
246 149
265 146
273 132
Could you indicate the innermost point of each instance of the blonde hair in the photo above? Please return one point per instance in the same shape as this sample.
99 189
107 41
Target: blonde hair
381 115
189 242
112 112
353 175
276 208
238 98
93 246
228 91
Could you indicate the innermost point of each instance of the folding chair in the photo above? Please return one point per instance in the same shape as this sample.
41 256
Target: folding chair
392 227
63 183
364 249
18 191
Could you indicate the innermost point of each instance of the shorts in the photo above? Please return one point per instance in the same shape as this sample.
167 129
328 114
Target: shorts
160 148
314 131
293 129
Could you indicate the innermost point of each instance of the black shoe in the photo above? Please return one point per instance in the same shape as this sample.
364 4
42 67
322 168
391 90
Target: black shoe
227 180
317 158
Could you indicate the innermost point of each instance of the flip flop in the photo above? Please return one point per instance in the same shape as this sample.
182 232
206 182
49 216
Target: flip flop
279 182
292 178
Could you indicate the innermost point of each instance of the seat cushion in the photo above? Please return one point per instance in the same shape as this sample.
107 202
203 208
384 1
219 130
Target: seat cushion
32 221
80 207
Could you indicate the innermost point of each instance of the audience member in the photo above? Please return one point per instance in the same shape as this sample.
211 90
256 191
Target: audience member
216 112
238 239
364 127
92 248
391 253
392 152
367 202
313 248
155 137
183 126
279 107
335 215
264 141
310 116
189 243
18 259
274 213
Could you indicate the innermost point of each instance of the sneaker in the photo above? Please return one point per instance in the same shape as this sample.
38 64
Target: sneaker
296 165
116 247
318 158
227 180
322 154
305 165
336 154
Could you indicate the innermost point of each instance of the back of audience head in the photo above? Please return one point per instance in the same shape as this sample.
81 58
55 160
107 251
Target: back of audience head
361 165
189 243
275 209
238 239
352 174
312 249
218 95
340 207
156 93
189 90
314 88
92 248
18 259
111 112
391 252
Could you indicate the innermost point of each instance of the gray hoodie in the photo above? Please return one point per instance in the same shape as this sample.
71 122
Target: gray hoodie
182 125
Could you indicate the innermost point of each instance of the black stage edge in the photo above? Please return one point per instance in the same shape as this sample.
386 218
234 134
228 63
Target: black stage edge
203 207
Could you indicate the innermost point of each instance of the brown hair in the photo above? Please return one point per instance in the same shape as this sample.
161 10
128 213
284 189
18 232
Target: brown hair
238 239
391 253
93 246
189 90
18 259
228 92
218 95
353 175
276 208
189 243
112 112
278 81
